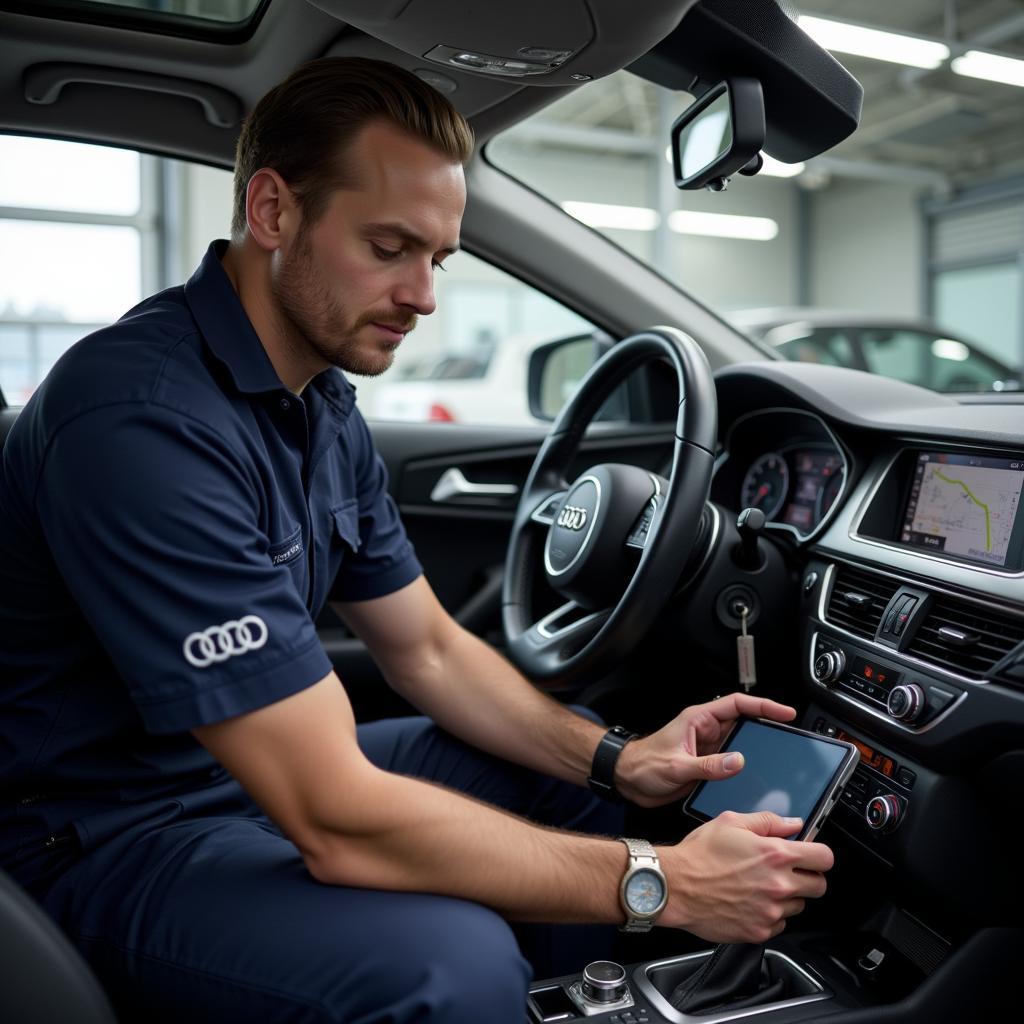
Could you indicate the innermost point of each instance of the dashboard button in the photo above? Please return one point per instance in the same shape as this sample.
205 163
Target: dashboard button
905 777
939 698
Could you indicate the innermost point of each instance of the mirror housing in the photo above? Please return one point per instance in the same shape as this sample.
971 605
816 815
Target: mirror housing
719 135
556 368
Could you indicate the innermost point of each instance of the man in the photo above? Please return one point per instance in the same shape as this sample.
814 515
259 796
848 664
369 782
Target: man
178 501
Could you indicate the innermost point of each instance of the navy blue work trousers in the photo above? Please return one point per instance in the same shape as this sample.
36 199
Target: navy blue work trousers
217 919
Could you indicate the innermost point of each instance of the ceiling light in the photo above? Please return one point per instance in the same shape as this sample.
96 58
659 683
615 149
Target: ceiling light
990 66
723 225
874 43
608 215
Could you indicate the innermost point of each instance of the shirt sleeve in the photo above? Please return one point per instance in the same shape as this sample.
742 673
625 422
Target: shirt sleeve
152 518
382 558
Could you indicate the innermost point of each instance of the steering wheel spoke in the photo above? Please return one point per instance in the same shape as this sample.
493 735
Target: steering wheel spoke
547 508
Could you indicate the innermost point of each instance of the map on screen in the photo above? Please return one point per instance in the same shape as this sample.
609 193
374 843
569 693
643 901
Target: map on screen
964 505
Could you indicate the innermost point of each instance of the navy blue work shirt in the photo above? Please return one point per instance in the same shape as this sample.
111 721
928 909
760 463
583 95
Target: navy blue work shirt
172 520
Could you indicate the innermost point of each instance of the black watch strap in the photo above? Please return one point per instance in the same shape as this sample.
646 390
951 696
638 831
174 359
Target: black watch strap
602 769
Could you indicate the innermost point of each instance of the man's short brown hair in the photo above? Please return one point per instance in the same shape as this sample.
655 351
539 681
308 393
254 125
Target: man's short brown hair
303 127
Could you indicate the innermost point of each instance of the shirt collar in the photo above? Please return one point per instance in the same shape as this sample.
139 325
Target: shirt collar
229 333
225 327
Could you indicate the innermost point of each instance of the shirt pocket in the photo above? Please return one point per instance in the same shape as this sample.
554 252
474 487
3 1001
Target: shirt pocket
346 523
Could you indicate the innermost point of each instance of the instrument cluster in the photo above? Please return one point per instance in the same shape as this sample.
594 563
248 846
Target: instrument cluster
786 463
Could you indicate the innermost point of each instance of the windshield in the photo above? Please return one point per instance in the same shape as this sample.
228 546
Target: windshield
848 239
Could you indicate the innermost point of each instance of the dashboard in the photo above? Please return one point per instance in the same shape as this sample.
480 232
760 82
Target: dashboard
898 512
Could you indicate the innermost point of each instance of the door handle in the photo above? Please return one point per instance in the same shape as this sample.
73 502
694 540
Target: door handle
452 484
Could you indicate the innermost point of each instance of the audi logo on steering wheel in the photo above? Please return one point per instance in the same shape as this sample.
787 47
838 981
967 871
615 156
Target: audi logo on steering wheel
218 643
572 517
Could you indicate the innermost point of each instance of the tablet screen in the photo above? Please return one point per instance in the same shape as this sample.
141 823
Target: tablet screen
785 772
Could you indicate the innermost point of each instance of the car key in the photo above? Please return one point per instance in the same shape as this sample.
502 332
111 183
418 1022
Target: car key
745 652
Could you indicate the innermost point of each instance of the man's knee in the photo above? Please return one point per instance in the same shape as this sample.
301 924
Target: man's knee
451 961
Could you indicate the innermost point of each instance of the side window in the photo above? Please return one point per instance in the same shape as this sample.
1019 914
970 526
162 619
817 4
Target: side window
73 219
468 361
826 346
904 355
86 232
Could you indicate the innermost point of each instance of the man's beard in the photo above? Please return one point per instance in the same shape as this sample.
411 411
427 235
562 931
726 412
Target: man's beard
320 320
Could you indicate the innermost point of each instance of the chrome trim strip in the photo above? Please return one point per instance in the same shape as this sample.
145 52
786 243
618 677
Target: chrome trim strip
669 1012
586 540
542 626
908 549
802 538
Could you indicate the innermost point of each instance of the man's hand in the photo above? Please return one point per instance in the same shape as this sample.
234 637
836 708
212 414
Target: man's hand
665 766
737 878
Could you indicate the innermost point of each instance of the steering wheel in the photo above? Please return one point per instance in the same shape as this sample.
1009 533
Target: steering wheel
616 539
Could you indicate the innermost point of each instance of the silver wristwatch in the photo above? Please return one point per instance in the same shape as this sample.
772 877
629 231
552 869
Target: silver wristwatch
644 890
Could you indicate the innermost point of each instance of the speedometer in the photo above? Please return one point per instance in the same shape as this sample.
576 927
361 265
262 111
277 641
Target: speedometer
766 484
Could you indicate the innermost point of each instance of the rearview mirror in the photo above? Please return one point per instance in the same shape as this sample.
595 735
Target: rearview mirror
719 135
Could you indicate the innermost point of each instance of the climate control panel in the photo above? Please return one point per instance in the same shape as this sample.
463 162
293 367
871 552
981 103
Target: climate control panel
879 684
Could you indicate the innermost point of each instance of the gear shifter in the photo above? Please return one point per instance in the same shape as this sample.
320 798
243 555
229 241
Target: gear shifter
734 976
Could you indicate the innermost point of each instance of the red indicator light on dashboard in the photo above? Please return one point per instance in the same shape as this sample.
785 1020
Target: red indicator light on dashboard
880 677
868 672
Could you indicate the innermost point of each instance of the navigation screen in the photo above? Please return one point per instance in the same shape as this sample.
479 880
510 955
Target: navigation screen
963 505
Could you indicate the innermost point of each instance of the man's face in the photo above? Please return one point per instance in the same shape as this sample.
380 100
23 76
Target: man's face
352 284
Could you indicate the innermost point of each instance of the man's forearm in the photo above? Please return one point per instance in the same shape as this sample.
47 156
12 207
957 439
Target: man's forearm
407 835
473 692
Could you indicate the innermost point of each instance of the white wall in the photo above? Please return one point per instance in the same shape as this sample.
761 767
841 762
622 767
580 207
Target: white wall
867 247
206 194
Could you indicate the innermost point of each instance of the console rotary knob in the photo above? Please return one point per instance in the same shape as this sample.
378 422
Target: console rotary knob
604 982
906 702
828 667
883 812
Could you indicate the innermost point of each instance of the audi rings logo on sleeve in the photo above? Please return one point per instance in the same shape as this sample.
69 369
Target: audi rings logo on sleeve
572 517
218 643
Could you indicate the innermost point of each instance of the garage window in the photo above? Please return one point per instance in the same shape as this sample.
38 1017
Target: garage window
78 228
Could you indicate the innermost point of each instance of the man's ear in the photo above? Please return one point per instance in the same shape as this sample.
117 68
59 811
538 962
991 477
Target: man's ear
271 212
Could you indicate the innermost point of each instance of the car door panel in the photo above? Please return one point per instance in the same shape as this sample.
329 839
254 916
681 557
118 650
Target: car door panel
461 540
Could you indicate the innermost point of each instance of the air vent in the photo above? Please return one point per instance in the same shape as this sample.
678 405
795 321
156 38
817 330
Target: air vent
858 600
965 638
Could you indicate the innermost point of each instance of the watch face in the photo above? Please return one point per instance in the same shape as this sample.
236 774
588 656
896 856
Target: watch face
644 892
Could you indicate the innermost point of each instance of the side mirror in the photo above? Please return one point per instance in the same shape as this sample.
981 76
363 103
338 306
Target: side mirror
555 370
719 135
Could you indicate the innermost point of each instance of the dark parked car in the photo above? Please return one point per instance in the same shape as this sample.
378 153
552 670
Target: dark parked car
915 351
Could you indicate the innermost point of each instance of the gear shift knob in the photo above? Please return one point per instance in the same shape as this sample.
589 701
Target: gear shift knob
750 522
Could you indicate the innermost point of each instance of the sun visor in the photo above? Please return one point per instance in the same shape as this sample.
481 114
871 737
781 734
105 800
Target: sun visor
811 101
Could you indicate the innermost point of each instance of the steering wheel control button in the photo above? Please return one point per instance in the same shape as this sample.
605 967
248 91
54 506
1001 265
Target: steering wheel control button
906 702
883 812
603 989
